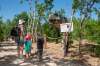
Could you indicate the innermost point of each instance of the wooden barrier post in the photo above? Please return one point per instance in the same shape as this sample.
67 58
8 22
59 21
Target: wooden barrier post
45 41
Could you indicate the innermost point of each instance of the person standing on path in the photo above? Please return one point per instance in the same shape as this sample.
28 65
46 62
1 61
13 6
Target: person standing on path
21 37
17 33
28 44
15 36
40 43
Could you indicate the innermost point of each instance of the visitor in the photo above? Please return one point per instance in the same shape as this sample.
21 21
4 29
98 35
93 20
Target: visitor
21 35
15 36
40 42
28 44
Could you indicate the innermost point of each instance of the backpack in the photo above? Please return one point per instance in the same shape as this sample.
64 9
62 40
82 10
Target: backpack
15 31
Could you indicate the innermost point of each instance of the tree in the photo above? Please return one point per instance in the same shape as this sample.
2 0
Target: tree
85 8
1 29
7 28
98 14
24 16
39 13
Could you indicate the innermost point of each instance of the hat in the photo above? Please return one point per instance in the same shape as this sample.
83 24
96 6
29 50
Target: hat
21 21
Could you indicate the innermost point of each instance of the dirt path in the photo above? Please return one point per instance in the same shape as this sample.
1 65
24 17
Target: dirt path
50 57
53 56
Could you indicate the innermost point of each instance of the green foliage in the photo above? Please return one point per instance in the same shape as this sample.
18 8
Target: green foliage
50 31
86 8
5 27
90 28
97 50
91 32
75 33
1 29
23 16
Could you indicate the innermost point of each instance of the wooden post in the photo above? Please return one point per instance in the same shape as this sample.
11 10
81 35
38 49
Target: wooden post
45 42
65 39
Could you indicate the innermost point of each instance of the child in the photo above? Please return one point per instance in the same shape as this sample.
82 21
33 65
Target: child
40 43
28 44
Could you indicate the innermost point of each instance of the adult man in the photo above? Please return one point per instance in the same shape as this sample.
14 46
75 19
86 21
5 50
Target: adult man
21 37
17 34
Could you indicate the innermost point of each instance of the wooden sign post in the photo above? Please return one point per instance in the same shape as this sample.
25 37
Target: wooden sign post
65 29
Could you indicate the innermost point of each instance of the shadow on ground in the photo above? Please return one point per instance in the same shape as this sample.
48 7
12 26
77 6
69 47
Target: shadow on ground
7 60
47 61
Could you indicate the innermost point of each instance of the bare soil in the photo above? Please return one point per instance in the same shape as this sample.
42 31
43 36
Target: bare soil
54 52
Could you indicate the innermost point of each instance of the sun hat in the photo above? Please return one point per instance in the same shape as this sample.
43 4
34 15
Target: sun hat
21 21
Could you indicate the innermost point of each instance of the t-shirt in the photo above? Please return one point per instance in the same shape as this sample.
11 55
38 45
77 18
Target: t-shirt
28 37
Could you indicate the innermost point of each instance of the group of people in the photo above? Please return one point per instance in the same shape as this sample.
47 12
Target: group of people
24 41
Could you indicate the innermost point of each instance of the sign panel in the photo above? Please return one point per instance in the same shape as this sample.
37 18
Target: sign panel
66 27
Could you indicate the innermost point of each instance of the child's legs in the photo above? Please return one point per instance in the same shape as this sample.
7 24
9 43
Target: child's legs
30 45
21 47
18 43
27 48
18 50
27 55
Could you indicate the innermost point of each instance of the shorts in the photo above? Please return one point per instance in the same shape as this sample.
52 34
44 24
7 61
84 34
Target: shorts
19 41
28 46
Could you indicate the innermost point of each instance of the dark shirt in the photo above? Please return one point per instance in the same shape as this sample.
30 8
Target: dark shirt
40 42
